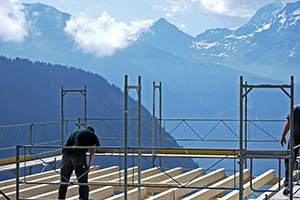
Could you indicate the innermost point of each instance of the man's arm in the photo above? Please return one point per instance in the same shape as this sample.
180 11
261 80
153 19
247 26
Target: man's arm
92 156
286 129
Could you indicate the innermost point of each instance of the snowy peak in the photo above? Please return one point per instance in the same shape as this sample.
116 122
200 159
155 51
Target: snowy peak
288 18
214 34
51 20
261 20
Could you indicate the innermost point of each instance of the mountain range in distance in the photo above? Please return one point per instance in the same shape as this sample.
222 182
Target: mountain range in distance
200 75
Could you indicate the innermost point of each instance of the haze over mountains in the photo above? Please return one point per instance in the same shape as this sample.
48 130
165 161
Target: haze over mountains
196 73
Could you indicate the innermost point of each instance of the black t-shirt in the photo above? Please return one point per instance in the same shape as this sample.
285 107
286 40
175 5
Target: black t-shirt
296 120
82 137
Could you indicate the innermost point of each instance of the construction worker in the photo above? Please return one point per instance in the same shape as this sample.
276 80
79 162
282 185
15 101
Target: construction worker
296 142
75 159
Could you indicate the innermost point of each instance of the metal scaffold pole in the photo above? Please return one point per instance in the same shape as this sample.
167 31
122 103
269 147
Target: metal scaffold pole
63 93
154 122
241 153
243 148
291 159
139 93
125 135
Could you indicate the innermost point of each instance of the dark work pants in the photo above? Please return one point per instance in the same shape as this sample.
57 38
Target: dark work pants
286 161
74 161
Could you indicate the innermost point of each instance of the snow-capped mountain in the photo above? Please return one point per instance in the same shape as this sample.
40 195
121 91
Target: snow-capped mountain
195 81
267 45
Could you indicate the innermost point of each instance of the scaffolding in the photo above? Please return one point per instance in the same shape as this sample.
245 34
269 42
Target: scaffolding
245 88
242 154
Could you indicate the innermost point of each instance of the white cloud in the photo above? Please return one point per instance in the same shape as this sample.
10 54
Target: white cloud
103 36
13 24
232 8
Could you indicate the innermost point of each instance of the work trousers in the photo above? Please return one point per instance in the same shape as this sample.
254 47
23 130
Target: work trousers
286 161
74 161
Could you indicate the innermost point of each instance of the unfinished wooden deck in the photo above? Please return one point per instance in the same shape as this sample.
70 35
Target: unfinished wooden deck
156 184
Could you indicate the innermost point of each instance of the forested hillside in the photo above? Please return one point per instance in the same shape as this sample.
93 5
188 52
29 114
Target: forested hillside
31 92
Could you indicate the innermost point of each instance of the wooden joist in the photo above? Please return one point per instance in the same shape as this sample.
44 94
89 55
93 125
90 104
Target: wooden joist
226 183
199 182
256 183
108 183
30 163
73 189
263 196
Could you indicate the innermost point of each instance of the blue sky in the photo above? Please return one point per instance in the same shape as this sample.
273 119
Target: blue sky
102 27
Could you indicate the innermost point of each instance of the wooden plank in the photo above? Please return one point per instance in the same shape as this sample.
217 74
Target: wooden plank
163 175
44 189
256 183
100 193
131 194
12 188
73 193
278 195
41 178
176 193
73 190
268 195
132 178
31 163
227 182
185 177
29 177
154 178
182 178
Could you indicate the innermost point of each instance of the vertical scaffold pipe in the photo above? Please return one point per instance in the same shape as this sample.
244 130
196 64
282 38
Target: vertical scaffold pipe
153 123
241 158
160 119
18 172
62 115
139 135
291 157
85 115
125 134
246 120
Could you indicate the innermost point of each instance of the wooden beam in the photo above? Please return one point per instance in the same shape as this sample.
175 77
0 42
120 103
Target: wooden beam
132 178
163 175
176 193
44 178
156 177
268 195
28 177
30 163
227 182
100 193
256 183
72 190
148 180
182 178
131 194
296 175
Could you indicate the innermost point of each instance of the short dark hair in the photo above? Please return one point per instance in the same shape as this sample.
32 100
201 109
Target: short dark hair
90 128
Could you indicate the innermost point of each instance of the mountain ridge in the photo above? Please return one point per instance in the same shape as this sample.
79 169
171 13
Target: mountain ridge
191 85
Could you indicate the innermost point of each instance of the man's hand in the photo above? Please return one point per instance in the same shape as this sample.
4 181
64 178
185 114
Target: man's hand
282 141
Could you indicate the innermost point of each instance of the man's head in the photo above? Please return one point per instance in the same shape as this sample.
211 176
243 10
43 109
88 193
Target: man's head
90 128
